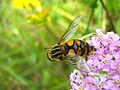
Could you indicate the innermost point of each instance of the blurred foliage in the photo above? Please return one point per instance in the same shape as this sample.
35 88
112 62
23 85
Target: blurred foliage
27 26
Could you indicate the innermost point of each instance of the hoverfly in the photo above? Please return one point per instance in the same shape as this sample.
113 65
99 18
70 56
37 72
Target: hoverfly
67 49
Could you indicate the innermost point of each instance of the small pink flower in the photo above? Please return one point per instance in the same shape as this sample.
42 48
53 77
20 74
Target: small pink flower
105 64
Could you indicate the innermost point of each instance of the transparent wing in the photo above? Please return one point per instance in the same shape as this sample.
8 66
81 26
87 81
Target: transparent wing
82 64
79 63
71 29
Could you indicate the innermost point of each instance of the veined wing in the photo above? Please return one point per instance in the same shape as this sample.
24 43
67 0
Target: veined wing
71 29
79 62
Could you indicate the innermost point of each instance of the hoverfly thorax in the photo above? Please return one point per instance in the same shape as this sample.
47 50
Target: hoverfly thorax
55 53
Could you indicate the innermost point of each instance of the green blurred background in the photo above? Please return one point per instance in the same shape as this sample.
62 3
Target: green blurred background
27 26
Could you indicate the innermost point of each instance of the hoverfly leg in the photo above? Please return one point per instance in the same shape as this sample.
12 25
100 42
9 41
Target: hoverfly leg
82 73
72 61
68 61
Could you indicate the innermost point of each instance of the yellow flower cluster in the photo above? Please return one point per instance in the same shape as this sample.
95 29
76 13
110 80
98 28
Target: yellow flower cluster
27 4
36 14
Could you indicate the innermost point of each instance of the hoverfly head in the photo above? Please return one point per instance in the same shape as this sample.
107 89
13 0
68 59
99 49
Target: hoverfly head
54 53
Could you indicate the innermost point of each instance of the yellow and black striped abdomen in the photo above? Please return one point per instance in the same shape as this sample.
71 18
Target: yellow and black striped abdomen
78 47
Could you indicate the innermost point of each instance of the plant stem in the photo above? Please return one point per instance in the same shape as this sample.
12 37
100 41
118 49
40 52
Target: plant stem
112 26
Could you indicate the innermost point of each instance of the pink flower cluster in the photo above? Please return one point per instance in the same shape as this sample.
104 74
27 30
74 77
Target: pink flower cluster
105 65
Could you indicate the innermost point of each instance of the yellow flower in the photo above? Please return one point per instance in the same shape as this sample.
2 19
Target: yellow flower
27 4
17 3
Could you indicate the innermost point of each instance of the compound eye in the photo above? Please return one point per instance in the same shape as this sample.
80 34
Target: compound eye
50 59
48 56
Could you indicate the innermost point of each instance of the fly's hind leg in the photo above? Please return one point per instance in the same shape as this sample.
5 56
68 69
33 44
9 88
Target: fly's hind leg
71 60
